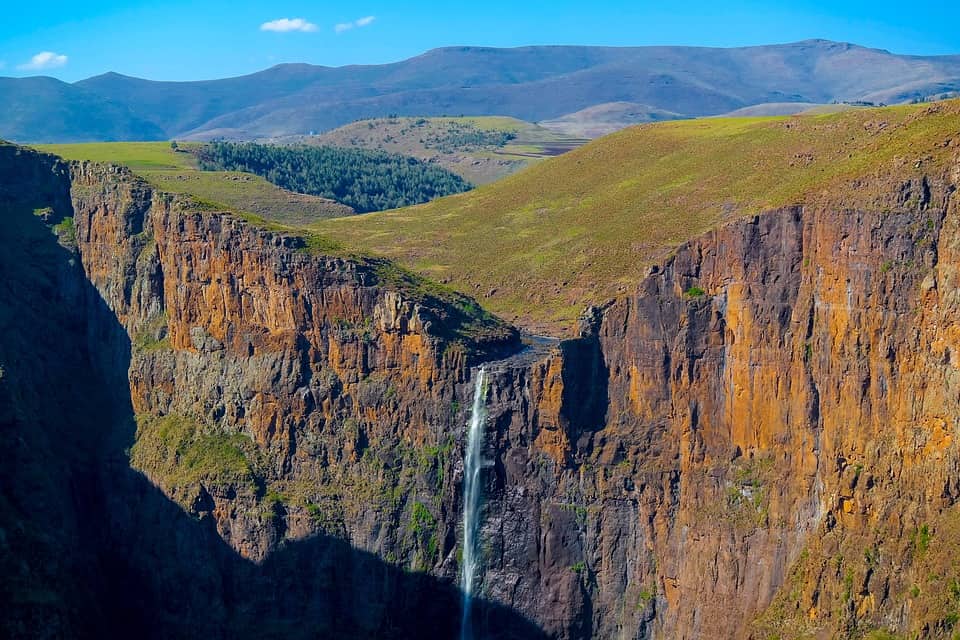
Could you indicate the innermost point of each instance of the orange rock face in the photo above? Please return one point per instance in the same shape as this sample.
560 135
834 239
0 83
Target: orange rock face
314 359
777 424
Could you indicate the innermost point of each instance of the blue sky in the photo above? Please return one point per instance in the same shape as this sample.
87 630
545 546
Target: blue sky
191 40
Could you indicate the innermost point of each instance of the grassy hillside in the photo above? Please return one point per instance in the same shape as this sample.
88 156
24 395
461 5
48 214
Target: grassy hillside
480 149
177 172
540 245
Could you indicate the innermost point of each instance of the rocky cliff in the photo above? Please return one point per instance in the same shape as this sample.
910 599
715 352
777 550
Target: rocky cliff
772 412
757 442
191 459
313 392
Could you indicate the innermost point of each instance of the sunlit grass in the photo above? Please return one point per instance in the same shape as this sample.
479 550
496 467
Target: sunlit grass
539 246
176 172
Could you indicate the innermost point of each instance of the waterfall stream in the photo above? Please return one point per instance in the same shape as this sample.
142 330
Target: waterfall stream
472 463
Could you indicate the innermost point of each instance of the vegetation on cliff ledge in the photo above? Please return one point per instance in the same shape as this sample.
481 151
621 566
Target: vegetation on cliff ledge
176 452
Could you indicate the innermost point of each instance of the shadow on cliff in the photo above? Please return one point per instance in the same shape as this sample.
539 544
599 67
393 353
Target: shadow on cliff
170 575
90 548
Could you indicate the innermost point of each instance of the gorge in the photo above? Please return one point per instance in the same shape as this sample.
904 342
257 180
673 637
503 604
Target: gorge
217 429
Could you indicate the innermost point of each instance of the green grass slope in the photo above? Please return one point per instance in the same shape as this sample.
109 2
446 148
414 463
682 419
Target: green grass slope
177 172
538 246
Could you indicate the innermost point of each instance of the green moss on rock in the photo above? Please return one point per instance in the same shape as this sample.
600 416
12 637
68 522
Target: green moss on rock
177 452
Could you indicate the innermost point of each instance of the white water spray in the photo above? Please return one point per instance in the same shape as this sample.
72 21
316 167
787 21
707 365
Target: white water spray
472 463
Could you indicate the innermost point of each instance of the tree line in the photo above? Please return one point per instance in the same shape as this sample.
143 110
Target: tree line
363 179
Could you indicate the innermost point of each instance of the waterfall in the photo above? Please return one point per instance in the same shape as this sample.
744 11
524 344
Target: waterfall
472 462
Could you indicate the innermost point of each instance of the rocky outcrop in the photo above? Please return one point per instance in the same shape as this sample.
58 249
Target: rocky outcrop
757 442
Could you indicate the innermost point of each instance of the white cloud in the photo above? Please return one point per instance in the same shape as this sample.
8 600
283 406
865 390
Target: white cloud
288 24
360 22
44 60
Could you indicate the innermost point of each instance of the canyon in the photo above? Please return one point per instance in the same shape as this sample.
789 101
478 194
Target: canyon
214 429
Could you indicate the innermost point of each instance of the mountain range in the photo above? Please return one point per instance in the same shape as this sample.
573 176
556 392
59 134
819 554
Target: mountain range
531 83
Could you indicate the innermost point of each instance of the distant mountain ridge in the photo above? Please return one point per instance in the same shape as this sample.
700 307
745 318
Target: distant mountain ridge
41 109
602 119
531 83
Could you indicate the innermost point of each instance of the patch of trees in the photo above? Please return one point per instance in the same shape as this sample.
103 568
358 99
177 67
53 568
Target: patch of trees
466 137
359 178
